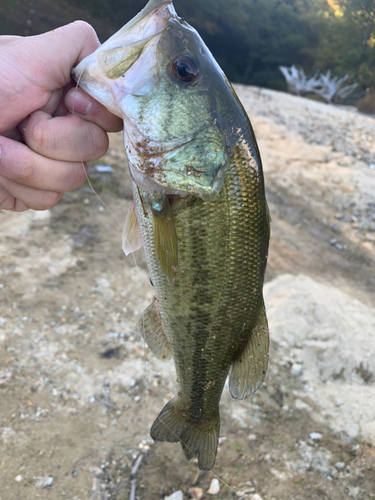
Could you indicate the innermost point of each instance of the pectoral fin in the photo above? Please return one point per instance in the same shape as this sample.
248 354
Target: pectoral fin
248 371
151 329
165 235
131 236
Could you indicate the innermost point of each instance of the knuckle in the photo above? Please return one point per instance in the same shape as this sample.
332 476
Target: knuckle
87 28
37 134
47 199
27 171
6 200
79 177
97 142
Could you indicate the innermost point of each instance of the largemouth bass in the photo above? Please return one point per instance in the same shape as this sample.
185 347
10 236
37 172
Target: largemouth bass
199 209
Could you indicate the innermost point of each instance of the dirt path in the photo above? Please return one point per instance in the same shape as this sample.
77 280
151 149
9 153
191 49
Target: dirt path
79 390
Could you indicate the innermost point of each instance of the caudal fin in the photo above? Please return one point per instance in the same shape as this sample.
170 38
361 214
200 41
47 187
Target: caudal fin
198 439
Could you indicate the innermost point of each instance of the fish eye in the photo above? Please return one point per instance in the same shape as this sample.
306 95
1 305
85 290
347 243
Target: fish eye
185 69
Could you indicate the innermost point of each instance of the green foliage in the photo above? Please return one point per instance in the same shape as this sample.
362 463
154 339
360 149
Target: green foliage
367 103
249 38
349 43
366 76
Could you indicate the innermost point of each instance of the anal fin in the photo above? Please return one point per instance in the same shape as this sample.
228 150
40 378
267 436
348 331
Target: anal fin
131 236
249 369
151 329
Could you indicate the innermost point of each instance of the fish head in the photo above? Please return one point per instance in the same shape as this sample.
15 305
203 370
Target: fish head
180 112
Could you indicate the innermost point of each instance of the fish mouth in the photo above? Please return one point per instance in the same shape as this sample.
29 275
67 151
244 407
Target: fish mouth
102 73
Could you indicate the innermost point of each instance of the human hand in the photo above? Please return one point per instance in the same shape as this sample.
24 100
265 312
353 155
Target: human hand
43 146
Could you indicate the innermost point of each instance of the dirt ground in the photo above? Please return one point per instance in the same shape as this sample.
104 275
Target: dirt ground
79 389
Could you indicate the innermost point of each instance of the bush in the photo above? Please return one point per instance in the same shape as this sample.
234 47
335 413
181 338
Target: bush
367 104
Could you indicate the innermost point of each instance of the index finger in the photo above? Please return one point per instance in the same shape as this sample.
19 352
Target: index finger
38 65
80 103
78 40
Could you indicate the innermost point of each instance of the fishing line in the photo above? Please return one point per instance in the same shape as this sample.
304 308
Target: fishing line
145 347
112 213
82 162
137 267
86 172
212 473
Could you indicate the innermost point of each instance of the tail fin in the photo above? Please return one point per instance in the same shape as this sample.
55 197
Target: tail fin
196 438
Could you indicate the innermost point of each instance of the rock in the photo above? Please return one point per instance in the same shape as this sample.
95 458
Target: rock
177 495
18 478
332 335
214 487
256 497
297 369
315 458
340 465
48 482
251 437
244 493
301 405
315 436
196 493
354 492
5 376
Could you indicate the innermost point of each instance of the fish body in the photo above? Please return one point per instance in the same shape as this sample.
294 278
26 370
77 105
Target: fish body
200 212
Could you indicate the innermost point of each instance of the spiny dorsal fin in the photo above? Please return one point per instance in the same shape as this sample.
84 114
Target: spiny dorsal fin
131 236
165 236
248 371
151 329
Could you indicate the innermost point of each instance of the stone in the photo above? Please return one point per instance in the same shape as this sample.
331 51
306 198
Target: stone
297 369
214 487
315 436
48 482
339 465
177 495
196 493
301 405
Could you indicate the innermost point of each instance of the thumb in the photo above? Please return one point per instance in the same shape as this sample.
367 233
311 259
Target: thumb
36 66
56 52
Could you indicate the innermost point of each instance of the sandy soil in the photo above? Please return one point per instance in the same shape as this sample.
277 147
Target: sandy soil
79 389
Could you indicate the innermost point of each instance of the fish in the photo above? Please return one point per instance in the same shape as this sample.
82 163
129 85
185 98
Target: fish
199 209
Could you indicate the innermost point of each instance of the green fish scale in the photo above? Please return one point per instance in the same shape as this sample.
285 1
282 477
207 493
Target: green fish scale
169 106
208 312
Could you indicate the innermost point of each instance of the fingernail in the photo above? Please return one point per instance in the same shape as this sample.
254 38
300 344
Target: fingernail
78 103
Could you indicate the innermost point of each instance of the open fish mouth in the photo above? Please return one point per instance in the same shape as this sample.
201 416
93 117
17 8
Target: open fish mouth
156 73
99 73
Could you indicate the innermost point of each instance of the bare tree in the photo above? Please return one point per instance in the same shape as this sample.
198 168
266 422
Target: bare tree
329 88
297 81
